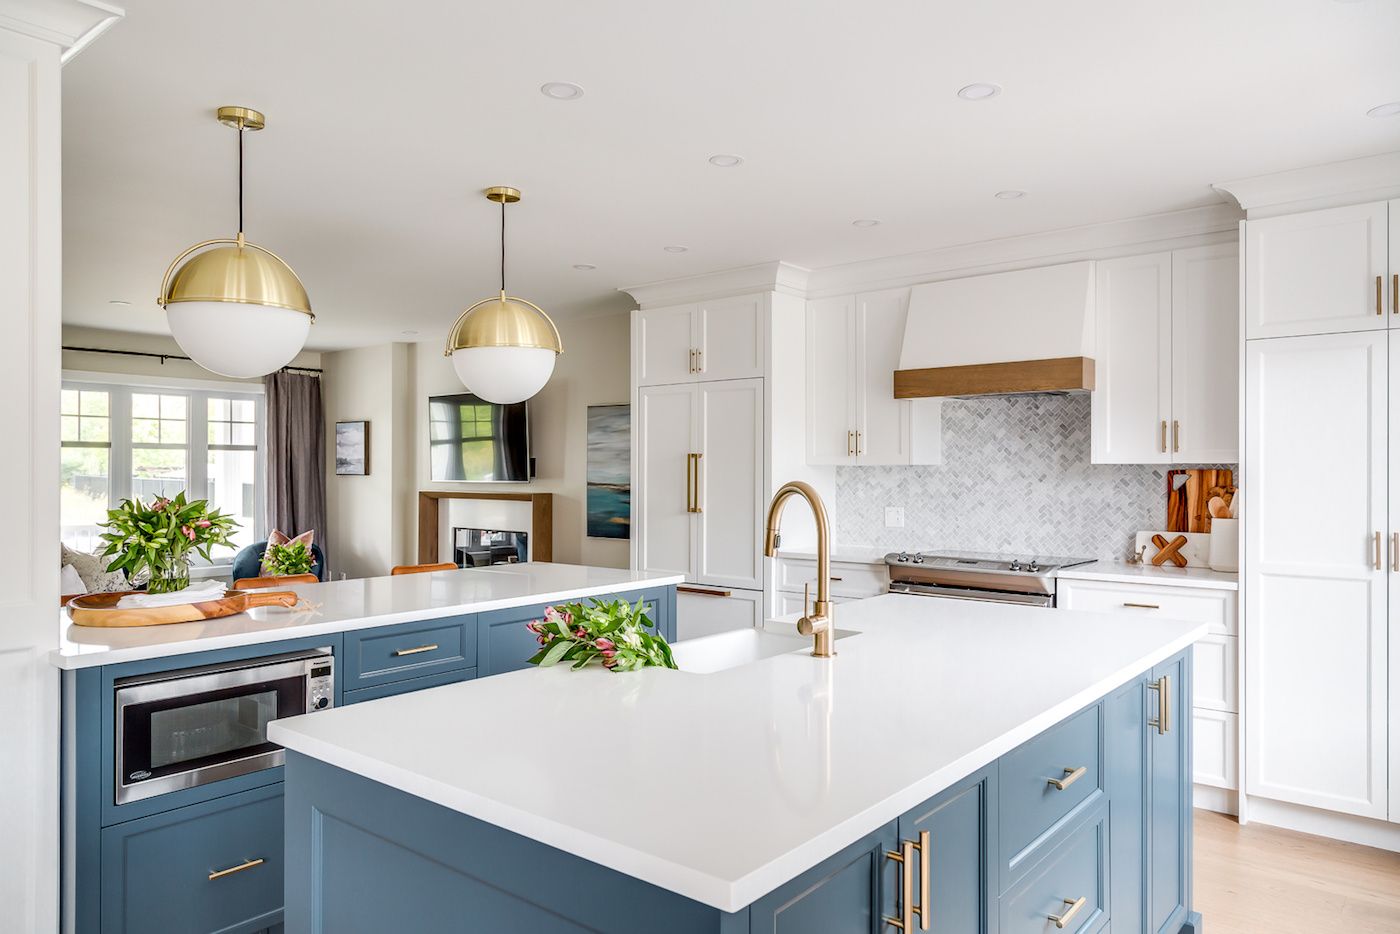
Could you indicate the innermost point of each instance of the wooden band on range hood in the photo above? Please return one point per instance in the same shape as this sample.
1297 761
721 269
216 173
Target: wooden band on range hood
1062 374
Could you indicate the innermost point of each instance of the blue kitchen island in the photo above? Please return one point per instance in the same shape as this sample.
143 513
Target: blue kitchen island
957 767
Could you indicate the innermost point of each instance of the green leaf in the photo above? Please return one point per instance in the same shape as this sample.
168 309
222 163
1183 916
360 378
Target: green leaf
556 652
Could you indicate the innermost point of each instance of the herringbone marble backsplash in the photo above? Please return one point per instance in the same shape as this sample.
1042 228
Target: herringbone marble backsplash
1015 478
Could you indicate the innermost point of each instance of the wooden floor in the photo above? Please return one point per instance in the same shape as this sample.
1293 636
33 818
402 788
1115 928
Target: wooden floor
1256 879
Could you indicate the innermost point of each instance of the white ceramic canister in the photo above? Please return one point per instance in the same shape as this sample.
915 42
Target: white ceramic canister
1225 544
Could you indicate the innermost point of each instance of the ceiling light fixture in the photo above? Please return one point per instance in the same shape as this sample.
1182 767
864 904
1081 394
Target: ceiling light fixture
979 92
408 333
1385 110
238 309
865 222
726 160
118 301
1010 194
675 249
503 348
561 90
585 267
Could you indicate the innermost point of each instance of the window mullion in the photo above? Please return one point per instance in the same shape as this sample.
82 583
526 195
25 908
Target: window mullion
120 434
197 444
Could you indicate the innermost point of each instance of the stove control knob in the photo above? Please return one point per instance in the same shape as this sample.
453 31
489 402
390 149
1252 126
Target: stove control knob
918 559
1033 567
1015 565
903 556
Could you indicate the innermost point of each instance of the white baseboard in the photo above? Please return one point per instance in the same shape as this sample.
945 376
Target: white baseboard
1219 800
1363 830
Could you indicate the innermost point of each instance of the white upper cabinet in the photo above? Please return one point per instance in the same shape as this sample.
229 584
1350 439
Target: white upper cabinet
729 500
881 420
664 495
1320 272
1167 358
831 379
719 339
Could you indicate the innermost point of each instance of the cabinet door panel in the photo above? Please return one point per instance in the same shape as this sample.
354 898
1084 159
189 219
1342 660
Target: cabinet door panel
1315 273
847 893
960 890
831 376
1169 799
1206 354
1132 395
1393 617
1316 627
704 614
664 339
666 437
729 337
730 483
881 419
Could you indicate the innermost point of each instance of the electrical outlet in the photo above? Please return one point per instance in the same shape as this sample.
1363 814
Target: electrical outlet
894 517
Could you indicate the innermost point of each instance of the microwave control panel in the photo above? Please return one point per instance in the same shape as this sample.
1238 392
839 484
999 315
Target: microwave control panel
320 685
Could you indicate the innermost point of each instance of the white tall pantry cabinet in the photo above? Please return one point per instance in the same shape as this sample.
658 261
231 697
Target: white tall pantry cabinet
1322 509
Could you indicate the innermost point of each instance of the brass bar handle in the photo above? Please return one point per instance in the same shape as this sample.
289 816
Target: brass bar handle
1176 436
698 507
1143 606
1075 906
1380 292
704 591
857 443
220 873
1395 551
1163 687
850 443
416 650
905 858
1071 776
700 360
690 483
692 360
1164 436
1378 551
1395 294
923 909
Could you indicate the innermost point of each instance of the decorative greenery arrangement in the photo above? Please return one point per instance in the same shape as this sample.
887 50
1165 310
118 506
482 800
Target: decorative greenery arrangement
160 538
613 632
291 558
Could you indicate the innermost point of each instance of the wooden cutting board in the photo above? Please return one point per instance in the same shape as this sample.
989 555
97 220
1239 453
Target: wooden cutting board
100 609
1189 493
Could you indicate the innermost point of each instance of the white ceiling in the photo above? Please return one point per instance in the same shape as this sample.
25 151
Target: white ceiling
386 120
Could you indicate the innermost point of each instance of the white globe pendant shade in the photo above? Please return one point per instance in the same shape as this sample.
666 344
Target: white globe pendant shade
237 339
504 374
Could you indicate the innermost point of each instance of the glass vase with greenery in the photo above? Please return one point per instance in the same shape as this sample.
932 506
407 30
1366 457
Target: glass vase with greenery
289 558
162 537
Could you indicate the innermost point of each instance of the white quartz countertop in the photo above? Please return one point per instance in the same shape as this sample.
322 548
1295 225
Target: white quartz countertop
722 786
1120 572
341 606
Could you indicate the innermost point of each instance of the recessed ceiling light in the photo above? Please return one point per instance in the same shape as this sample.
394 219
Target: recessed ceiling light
118 301
408 333
865 222
585 267
979 92
561 90
1010 194
726 160
1385 110
675 249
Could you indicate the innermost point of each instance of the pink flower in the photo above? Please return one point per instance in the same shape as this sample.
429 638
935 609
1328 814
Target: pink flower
551 615
188 532
542 639
581 633
204 523
609 662
567 617
160 504
609 653
605 643
534 626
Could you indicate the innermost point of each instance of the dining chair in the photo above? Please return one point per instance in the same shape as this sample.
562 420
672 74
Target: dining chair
422 568
261 583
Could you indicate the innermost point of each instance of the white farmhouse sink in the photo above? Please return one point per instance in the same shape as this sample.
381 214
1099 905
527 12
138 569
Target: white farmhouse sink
726 650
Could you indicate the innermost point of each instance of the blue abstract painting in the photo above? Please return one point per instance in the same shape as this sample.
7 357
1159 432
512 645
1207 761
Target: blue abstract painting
609 471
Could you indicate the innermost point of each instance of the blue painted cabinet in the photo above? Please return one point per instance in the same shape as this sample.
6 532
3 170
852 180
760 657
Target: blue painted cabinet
958 861
1169 796
850 891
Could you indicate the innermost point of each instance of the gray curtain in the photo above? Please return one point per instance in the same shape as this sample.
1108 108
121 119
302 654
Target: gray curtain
296 455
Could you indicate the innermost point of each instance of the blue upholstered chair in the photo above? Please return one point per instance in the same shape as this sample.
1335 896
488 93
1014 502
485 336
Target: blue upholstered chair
248 562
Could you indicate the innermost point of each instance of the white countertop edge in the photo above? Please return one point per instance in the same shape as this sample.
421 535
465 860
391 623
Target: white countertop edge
114 656
1203 578
725 895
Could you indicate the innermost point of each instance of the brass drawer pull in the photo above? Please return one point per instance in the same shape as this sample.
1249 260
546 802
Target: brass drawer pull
1164 436
905 858
1143 606
1176 436
415 651
1163 687
1378 551
1075 905
703 591
219 874
1071 776
1395 294
1380 291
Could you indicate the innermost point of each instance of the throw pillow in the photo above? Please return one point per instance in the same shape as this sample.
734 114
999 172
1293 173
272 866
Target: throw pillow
92 570
69 582
278 537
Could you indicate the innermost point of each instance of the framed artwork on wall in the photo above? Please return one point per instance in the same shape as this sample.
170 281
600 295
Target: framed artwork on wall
351 449
609 471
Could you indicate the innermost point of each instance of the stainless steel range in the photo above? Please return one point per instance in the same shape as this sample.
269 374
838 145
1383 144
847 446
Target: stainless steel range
974 576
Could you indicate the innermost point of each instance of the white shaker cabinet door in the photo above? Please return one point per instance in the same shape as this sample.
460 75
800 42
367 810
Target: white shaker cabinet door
704 611
1131 401
729 337
1206 355
729 483
664 345
1393 630
1319 272
1316 625
665 491
881 420
831 378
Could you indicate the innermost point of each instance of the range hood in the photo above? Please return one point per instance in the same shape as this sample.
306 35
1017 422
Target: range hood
1027 331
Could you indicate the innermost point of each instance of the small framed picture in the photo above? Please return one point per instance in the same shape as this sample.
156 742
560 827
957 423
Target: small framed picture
352 449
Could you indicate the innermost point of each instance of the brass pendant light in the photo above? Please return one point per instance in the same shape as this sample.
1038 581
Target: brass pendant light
237 309
503 348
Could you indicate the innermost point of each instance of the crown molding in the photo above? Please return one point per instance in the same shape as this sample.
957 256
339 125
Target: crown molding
1372 178
774 276
71 25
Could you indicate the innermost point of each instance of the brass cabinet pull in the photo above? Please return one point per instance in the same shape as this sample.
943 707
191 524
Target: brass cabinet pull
697 457
692 359
1395 294
1380 291
1071 776
703 591
1143 606
1395 551
1176 436
905 858
1163 687
923 908
1378 551
219 874
857 444
415 651
850 443
1075 904
690 481
1164 436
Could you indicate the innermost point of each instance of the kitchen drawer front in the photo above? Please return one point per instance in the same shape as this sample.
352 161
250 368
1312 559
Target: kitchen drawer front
848 579
410 685
156 870
1031 807
1075 869
1196 605
411 650
1216 674
1215 748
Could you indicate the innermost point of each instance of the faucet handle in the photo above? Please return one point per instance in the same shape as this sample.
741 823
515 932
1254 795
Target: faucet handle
806 599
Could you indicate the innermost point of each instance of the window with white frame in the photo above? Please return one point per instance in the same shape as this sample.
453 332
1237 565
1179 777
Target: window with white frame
146 441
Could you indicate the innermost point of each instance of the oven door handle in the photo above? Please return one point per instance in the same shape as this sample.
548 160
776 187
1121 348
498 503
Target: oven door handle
979 596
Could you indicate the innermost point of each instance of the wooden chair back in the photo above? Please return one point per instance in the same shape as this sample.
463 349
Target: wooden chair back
261 583
422 568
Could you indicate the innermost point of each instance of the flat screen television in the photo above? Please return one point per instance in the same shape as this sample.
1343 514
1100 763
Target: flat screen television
476 441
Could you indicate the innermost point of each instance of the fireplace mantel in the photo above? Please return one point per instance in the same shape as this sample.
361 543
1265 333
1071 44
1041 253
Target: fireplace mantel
541 520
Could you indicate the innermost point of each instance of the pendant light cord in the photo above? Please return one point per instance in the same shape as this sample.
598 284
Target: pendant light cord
240 179
503 246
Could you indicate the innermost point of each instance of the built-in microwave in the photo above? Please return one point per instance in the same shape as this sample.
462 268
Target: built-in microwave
179 729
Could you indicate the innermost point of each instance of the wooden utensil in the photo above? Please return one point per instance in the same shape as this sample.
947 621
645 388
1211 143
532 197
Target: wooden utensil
1169 551
1218 509
100 609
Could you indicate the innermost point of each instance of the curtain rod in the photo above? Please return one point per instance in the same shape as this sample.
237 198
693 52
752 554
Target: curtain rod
162 357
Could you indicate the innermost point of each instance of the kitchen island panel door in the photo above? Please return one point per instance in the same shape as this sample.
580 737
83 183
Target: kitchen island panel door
959 867
1169 796
846 893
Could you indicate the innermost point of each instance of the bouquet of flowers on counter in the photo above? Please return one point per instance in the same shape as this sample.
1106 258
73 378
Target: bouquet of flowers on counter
614 633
